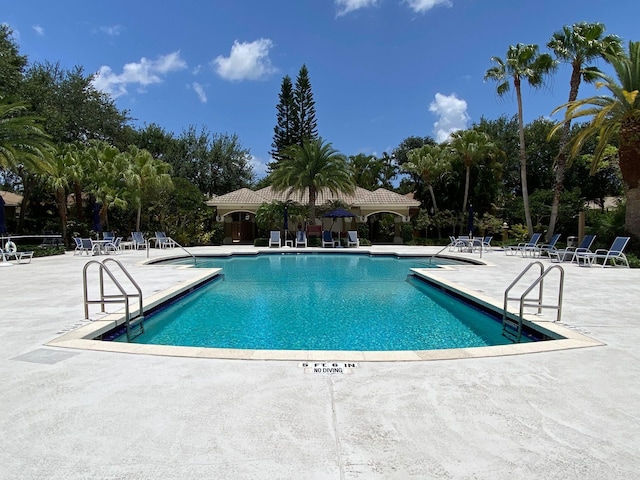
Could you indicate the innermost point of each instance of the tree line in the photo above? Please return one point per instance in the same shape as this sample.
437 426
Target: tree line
61 137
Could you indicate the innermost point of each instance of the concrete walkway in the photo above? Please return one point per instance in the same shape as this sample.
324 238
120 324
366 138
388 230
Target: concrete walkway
85 414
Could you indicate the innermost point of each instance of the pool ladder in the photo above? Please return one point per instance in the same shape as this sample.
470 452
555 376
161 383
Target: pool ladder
131 320
512 325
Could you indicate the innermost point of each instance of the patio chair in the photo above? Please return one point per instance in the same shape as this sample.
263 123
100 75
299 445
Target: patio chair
570 253
138 240
274 238
327 239
113 246
615 254
547 247
301 239
452 243
486 243
78 249
87 246
352 239
163 241
524 248
108 236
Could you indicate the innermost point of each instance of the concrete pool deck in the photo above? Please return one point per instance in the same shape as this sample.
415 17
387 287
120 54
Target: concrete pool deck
72 413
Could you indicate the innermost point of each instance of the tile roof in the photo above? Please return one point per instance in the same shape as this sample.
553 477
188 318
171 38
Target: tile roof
359 197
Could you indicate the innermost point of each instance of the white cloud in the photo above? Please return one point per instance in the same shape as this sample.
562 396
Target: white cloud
111 30
146 72
39 30
452 116
422 6
247 61
347 6
199 89
259 167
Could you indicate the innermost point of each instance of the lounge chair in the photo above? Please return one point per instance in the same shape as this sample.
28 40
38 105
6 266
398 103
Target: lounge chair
545 248
524 248
11 251
301 239
570 253
138 240
614 254
163 241
274 238
327 239
352 239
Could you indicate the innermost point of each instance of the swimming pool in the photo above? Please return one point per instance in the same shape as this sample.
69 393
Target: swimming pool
320 302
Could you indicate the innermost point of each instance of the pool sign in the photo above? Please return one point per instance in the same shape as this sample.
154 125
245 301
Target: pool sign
328 367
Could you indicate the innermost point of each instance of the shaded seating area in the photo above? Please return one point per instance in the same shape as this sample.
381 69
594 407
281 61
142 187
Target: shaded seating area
275 239
570 253
301 238
352 239
524 248
615 254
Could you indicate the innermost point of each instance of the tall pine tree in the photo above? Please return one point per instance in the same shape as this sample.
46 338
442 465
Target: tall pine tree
283 132
296 117
304 123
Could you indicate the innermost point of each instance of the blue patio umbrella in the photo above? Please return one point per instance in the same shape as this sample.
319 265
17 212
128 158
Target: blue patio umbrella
285 225
338 213
97 226
3 225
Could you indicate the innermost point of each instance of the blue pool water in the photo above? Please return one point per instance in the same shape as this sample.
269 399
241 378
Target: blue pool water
320 302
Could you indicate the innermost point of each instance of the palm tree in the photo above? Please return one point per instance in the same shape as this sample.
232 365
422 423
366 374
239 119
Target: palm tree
614 117
311 167
64 170
106 180
429 162
471 146
577 46
23 143
523 62
145 173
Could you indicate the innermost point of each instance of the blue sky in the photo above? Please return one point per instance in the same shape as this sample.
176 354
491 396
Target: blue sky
381 70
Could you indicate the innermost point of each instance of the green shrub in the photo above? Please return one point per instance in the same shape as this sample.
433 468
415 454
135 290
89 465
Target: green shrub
261 242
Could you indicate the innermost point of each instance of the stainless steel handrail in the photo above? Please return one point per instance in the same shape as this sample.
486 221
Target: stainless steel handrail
124 297
539 281
176 244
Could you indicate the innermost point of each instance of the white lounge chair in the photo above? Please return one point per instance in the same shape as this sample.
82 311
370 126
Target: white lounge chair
614 254
352 239
327 239
301 239
547 247
274 238
163 241
524 248
570 253
138 240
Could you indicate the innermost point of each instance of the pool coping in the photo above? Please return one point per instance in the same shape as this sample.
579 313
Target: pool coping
84 336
